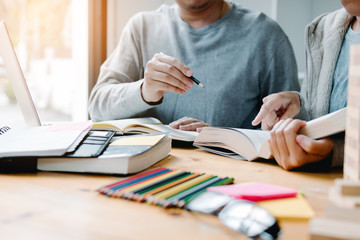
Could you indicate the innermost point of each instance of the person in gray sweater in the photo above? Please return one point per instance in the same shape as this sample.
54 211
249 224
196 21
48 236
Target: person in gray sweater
239 55
324 90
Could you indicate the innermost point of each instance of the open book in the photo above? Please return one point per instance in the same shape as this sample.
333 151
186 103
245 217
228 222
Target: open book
144 125
252 144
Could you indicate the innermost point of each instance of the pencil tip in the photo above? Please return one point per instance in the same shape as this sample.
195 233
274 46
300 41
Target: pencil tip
201 85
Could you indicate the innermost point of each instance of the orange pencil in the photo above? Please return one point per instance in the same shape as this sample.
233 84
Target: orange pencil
167 186
179 188
118 193
148 182
108 188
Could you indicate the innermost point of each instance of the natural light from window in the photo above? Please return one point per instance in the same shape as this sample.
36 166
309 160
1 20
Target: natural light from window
51 41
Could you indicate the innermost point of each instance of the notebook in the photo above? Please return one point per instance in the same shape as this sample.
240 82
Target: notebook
93 145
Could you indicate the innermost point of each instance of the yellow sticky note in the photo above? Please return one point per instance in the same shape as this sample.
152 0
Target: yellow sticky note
289 208
139 140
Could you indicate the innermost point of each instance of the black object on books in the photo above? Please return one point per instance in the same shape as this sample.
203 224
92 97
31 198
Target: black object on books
252 144
93 145
18 165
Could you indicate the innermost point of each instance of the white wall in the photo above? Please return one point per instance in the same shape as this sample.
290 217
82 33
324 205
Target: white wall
269 7
119 12
292 15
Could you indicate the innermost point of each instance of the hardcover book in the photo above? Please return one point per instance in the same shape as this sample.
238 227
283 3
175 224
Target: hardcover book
251 144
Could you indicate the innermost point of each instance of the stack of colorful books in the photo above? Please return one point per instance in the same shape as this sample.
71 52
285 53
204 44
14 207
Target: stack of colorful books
163 187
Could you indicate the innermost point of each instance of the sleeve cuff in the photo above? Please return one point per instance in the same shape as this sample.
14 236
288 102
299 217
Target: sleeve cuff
303 114
150 103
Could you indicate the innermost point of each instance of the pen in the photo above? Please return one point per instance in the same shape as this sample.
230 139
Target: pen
197 81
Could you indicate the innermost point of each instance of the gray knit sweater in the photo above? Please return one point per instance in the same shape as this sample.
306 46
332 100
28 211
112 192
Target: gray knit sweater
323 41
240 59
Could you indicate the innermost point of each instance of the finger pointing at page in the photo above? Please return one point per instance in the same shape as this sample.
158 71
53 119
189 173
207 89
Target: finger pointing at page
276 107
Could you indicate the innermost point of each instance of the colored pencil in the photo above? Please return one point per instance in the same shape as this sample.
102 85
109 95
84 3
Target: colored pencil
174 199
104 188
164 187
184 201
162 183
167 186
179 188
140 195
149 182
138 180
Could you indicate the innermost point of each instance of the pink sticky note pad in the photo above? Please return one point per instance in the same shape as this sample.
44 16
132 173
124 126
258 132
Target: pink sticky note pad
255 191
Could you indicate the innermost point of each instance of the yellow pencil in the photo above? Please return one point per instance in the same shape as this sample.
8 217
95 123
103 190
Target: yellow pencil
181 187
151 181
167 186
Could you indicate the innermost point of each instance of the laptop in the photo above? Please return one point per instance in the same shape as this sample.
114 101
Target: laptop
81 147
17 78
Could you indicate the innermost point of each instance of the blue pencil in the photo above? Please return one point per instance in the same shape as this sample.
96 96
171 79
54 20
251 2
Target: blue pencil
174 199
135 181
107 187
139 192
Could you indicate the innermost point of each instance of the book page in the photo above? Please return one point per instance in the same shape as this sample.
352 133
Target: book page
147 140
256 137
151 128
120 125
244 142
326 125
223 151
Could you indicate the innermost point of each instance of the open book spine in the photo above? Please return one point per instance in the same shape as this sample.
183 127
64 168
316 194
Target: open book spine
4 129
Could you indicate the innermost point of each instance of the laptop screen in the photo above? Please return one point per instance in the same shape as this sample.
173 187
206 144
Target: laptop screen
17 78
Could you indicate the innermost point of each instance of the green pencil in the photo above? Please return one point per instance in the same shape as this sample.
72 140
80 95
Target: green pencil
179 188
188 192
133 194
137 196
183 202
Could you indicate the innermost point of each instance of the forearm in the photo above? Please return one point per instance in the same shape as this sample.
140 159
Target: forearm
115 100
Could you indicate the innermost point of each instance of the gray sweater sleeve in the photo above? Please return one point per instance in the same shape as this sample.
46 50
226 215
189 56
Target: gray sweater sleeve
111 100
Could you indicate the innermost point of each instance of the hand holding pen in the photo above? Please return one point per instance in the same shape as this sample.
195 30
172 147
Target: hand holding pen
164 74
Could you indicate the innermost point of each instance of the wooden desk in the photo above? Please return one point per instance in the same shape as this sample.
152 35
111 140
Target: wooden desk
66 206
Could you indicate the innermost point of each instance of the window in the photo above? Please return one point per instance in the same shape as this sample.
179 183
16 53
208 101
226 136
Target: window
51 41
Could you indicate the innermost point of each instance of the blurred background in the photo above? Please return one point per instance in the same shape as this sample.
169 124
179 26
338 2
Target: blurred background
62 43
51 42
